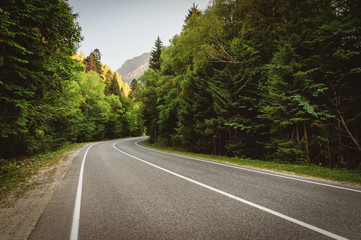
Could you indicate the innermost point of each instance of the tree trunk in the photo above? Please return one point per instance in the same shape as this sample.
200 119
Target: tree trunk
214 146
348 131
219 143
328 153
306 146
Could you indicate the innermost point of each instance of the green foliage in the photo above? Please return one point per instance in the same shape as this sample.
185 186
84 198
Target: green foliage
263 79
35 66
155 60
114 87
15 173
47 98
193 12
148 100
335 174
92 62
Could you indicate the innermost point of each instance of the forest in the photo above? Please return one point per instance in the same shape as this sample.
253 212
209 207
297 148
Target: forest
265 79
50 96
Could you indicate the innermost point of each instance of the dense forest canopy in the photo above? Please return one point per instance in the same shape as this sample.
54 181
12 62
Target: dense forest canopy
268 79
49 96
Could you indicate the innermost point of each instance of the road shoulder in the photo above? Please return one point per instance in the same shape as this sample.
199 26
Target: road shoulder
20 215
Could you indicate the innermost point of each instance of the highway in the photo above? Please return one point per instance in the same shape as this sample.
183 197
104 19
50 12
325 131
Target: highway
120 190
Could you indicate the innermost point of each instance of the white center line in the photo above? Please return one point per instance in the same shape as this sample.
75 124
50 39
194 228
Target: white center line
298 222
252 170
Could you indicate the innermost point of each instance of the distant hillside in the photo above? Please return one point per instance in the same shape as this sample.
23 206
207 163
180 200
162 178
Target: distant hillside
134 68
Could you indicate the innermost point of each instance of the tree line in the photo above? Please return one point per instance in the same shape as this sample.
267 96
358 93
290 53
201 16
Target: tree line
49 97
266 79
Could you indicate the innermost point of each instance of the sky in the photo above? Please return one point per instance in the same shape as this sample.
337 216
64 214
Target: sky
123 29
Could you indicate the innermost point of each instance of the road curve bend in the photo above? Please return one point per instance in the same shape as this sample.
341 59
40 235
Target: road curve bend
120 190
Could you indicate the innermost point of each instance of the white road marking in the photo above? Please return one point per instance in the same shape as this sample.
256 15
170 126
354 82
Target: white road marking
298 222
76 214
251 170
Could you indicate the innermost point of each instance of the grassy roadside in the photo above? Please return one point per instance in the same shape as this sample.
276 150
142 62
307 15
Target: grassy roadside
15 172
335 174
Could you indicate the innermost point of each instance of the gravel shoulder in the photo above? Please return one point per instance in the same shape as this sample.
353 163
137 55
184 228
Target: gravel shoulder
19 215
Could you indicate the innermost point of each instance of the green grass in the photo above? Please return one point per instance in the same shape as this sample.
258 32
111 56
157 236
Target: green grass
15 172
334 174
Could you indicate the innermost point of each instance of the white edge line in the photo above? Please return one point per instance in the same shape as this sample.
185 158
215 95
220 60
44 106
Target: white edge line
298 222
249 169
76 215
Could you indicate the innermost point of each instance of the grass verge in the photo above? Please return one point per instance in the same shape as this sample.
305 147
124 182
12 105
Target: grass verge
15 172
333 174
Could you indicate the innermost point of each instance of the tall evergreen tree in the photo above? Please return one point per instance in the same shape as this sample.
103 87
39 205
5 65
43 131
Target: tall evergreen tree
37 40
114 85
193 12
155 60
98 57
90 63
134 86
108 80
93 62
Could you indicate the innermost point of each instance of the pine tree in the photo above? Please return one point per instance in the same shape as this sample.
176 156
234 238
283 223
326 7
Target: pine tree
108 81
114 86
92 62
134 86
97 57
155 60
193 11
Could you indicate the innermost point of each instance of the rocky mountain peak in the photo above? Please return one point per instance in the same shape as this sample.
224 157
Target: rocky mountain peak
134 68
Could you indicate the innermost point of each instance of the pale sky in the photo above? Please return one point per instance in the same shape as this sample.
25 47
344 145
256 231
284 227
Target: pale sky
123 29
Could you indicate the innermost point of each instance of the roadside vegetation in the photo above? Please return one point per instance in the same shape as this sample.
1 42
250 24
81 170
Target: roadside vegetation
49 95
301 169
247 79
15 173
261 79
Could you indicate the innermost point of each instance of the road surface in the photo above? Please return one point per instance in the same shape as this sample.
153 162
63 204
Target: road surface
120 190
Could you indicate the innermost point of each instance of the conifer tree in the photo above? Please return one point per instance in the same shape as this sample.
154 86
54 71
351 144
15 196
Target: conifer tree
193 11
92 62
114 86
155 60
108 81
97 57
134 87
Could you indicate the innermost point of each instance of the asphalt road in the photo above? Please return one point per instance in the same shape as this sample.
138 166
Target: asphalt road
124 191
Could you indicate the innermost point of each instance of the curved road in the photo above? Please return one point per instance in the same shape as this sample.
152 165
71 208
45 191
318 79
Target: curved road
120 190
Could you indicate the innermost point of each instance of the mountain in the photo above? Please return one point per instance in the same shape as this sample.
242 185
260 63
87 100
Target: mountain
134 68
